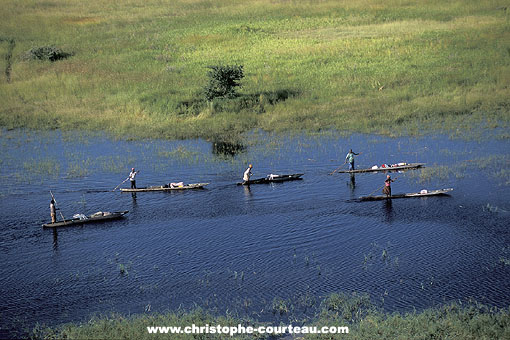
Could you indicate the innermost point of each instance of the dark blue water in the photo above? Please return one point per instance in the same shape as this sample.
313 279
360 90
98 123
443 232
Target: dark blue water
230 247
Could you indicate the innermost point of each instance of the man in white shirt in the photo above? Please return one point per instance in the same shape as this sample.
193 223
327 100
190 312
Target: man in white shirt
131 177
247 174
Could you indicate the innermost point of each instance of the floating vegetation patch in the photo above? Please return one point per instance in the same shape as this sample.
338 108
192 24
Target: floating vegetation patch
45 167
281 306
428 174
49 53
379 254
182 154
497 166
79 169
116 164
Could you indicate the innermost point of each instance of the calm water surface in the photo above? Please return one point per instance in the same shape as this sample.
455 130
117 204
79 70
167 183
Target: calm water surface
237 248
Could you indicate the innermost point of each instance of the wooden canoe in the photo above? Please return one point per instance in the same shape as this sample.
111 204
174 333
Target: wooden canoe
272 179
89 219
166 188
389 169
409 195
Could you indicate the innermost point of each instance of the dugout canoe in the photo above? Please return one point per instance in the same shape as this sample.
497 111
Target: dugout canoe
272 179
90 219
392 168
438 192
166 188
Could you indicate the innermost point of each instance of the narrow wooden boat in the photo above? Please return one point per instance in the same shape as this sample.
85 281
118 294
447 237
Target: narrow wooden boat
422 193
272 179
167 188
389 169
89 219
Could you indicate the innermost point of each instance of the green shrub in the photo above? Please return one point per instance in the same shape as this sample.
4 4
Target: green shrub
50 53
223 81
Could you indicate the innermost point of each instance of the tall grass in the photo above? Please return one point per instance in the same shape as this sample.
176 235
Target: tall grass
456 321
370 66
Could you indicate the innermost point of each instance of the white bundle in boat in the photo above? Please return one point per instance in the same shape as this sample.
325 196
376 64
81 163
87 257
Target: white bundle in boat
80 216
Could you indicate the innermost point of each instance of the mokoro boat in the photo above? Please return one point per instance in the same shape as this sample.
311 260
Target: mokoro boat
89 219
423 193
380 169
167 188
272 179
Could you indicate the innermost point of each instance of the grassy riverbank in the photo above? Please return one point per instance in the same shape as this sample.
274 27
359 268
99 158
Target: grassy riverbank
139 67
451 321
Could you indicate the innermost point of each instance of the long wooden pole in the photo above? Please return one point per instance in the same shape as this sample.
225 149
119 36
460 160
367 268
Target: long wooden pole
54 200
120 184
331 173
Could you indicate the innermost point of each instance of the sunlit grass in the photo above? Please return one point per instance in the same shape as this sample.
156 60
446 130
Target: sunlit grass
366 66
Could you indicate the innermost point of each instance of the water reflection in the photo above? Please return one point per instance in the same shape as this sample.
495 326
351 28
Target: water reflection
388 211
247 192
352 183
222 148
55 239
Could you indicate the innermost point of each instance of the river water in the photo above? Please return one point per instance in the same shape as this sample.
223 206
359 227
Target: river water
241 249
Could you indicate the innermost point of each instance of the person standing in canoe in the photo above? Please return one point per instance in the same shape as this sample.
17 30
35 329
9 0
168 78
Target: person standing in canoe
53 211
350 158
131 177
387 186
247 174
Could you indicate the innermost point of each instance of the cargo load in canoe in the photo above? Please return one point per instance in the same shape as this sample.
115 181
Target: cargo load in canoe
82 219
168 187
272 179
386 167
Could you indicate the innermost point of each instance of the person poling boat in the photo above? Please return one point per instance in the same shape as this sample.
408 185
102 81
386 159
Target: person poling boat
247 174
350 158
387 186
132 176
53 211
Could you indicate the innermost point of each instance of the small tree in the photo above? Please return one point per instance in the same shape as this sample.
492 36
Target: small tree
223 81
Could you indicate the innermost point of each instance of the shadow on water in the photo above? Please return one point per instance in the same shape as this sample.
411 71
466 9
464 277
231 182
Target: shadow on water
55 239
388 211
352 183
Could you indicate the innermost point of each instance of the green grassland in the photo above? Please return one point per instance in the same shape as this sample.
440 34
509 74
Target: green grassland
139 67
